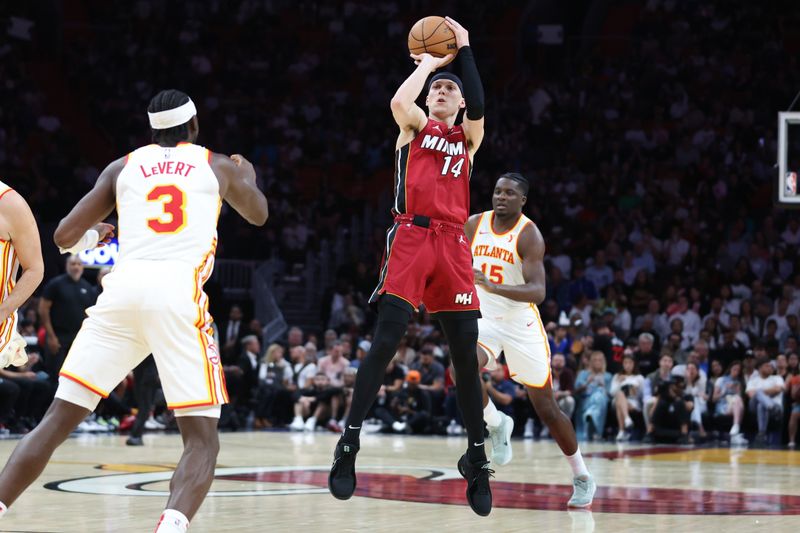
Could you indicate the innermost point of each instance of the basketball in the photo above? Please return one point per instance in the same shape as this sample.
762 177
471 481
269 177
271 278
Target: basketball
432 35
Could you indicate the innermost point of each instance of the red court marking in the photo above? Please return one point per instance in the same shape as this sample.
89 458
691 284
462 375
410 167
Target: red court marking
509 495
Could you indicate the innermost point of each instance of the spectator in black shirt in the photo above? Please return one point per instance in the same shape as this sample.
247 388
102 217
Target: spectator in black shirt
409 410
62 309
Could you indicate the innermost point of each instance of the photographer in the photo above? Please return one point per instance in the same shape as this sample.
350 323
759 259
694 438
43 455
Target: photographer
409 410
669 417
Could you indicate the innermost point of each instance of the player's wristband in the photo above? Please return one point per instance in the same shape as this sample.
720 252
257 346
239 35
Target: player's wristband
473 89
88 241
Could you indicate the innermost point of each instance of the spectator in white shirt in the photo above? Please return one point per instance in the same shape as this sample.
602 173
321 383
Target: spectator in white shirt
780 317
766 396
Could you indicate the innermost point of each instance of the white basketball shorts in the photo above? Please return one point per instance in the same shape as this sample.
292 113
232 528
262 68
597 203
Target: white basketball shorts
156 307
520 336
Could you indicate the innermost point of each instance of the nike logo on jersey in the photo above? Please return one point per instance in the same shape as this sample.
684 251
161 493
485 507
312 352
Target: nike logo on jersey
510 238
483 233
530 323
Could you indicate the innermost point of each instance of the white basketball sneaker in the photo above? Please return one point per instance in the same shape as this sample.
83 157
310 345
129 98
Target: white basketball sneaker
501 440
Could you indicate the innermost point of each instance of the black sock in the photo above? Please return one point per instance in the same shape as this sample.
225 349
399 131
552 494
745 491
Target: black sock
462 335
393 320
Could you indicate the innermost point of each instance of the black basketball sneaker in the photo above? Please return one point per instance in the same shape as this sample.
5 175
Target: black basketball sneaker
479 494
342 479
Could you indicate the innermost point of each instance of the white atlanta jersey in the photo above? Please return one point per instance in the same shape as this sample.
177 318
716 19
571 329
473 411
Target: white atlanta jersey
496 255
153 300
508 326
168 203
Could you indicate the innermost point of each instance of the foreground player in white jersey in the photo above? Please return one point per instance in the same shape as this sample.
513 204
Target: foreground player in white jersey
19 247
168 195
508 259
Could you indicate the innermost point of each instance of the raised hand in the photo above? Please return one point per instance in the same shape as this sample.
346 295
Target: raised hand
433 63
461 33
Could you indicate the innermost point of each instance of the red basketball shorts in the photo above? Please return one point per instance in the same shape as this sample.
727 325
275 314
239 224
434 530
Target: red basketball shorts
429 262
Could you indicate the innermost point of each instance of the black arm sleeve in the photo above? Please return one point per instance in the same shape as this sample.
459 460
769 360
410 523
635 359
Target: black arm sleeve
473 89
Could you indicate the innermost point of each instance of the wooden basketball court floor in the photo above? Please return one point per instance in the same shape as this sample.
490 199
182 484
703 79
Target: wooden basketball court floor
276 481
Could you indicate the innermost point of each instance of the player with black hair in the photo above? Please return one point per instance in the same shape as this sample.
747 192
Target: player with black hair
427 257
508 261
167 196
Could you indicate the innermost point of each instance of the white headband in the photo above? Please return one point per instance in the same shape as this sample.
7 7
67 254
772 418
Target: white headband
172 117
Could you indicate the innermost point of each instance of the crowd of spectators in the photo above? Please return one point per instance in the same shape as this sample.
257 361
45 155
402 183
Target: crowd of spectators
650 154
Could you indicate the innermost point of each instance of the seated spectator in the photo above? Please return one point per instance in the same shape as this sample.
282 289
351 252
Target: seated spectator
409 409
315 404
646 356
765 391
499 389
304 365
727 398
333 364
793 390
670 414
696 386
653 382
627 388
273 397
361 352
35 393
563 380
432 375
393 381
591 389
347 397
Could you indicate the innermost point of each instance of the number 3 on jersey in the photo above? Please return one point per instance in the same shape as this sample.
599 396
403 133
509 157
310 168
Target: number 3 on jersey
173 201
456 170
495 273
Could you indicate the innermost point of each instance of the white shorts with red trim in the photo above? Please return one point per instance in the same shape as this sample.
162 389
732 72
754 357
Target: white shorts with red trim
146 307
520 336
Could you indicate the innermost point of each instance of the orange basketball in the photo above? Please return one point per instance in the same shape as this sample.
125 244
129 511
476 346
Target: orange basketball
432 35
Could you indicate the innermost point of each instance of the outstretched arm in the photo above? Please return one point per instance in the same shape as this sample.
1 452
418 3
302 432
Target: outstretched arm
89 213
24 235
531 248
238 187
473 88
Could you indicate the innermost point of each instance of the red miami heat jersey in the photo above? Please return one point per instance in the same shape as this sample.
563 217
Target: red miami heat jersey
432 174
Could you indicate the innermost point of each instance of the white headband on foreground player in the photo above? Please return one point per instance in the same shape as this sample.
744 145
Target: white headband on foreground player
172 117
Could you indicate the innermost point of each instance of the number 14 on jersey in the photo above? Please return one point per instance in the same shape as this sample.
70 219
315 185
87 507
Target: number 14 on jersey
456 169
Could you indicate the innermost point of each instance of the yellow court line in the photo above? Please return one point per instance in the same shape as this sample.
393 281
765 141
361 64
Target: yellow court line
729 455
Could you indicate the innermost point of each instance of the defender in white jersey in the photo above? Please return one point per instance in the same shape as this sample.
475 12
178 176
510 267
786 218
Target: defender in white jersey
19 247
508 260
167 196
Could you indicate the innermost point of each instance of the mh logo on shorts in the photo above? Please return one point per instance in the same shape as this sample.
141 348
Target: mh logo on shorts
464 298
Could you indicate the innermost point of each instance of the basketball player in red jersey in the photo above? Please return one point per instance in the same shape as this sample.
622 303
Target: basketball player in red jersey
167 196
428 258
